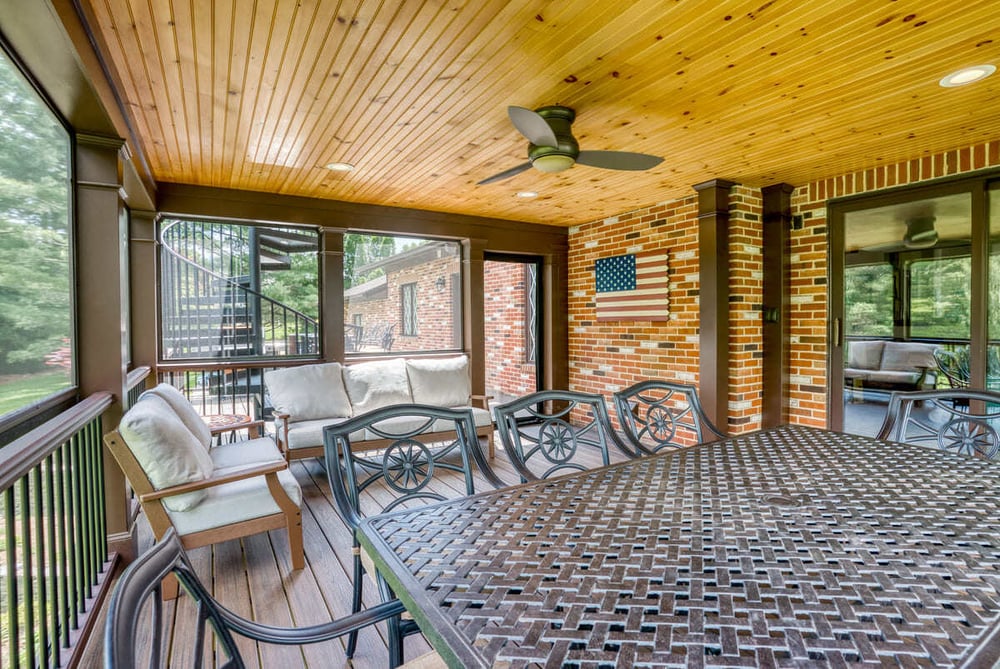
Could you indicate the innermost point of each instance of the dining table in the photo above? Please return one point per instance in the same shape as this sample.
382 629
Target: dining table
791 546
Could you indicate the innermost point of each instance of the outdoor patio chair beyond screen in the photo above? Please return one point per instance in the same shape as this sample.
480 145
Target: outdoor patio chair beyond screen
554 432
398 477
136 603
956 420
659 414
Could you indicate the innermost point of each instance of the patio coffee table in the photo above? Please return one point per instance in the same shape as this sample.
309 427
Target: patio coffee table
792 546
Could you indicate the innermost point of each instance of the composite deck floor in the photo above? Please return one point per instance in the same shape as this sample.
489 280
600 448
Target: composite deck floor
253 577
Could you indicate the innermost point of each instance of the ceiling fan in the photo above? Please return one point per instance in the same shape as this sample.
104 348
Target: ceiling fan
920 234
554 149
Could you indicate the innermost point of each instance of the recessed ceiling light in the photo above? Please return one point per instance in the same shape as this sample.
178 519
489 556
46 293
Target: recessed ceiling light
527 194
340 167
967 75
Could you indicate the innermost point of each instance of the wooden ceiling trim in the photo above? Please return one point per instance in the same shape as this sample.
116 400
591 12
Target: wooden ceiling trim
143 98
423 98
259 94
297 101
265 136
386 92
525 42
444 106
359 72
309 112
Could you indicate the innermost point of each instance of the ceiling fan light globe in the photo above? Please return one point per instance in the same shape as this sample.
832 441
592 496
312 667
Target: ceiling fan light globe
553 162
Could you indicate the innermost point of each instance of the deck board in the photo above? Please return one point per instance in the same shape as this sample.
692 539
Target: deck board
253 577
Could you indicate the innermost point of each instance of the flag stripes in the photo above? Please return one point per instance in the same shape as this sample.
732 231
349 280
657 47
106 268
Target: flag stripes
646 293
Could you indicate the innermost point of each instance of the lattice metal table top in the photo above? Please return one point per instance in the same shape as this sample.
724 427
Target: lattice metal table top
788 547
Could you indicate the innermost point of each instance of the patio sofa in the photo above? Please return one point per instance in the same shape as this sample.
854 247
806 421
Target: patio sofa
309 397
890 365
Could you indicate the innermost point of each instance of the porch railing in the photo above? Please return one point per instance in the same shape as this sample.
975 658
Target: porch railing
53 541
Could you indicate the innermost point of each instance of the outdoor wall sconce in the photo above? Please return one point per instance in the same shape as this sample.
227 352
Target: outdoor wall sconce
439 284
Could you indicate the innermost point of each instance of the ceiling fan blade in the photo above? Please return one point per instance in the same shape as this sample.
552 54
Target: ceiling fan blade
618 160
506 174
532 126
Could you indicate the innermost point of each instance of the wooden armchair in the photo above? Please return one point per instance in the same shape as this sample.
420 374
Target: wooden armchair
207 494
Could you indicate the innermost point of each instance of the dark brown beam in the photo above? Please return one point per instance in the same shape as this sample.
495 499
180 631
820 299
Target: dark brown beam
713 310
777 210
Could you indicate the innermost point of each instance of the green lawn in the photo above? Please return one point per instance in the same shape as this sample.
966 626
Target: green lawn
22 390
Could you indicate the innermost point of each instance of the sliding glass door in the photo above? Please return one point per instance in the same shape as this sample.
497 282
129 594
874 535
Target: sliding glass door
913 286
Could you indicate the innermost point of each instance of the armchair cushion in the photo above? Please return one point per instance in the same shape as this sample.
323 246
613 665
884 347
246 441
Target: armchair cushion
182 407
234 502
440 381
372 385
166 450
309 392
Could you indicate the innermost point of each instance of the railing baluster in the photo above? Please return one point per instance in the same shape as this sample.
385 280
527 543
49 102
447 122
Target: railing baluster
62 514
42 636
72 531
27 573
13 616
52 624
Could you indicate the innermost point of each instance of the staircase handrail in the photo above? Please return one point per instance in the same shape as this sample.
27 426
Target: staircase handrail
235 284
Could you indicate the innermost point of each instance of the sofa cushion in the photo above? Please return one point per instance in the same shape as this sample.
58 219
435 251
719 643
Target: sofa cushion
309 433
440 381
908 356
309 392
865 354
184 410
165 449
399 424
234 502
893 378
372 385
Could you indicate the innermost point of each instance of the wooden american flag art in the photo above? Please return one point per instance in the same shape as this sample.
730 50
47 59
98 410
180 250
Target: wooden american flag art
632 288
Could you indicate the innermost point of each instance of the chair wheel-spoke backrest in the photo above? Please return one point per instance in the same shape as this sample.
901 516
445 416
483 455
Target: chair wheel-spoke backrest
402 471
656 415
966 422
554 432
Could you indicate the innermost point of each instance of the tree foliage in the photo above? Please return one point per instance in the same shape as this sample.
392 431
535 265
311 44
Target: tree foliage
35 292
361 250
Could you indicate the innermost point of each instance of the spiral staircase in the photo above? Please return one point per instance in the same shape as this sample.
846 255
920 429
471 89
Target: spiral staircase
211 301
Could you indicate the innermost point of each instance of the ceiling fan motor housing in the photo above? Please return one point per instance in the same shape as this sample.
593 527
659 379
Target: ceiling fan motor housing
560 119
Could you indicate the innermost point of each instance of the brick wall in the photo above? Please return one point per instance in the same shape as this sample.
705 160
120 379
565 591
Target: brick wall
604 357
508 374
607 356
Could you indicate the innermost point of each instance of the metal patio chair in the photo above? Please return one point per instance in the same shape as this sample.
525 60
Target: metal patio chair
554 432
656 415
955 420
397 476
137 600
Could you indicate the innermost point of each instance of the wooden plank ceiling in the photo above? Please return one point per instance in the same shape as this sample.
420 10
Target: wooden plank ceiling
261 94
